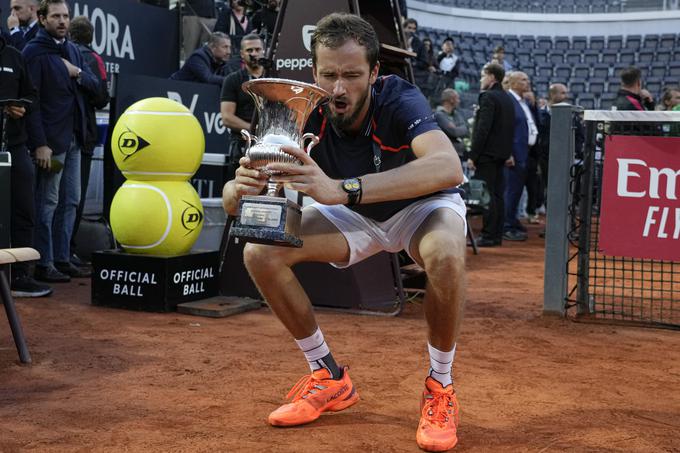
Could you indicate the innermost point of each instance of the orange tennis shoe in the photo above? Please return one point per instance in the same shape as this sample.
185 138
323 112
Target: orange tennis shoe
439 417
314 394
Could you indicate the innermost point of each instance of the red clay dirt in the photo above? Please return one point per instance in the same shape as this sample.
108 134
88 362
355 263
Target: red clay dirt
122 381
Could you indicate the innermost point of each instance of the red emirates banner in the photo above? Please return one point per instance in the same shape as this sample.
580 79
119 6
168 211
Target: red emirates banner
640 210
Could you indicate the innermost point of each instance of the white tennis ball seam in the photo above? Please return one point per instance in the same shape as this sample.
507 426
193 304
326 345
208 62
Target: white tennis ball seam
145 112
156 173
169 220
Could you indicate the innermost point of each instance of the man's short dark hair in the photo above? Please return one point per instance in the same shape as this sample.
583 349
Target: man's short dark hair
81 30
334 30
410 21
499 49
495 70
45 6
630 76
250 37
447 39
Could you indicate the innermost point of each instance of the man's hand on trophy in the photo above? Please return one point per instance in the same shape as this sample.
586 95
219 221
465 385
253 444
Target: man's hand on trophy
248 181
307 178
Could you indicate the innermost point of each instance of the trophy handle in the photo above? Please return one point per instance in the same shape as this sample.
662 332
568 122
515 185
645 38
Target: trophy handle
313 141
248 137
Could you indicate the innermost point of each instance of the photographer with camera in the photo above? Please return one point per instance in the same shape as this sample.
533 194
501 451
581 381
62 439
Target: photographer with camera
237 107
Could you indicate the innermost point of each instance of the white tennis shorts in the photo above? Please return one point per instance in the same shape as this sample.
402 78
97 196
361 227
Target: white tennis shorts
366 237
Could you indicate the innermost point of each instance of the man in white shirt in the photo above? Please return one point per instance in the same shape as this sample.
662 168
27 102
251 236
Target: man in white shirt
525 137
22 22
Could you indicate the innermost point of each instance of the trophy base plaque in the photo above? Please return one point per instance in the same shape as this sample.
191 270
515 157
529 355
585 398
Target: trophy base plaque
268 220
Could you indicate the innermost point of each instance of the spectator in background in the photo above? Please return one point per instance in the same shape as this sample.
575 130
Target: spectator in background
81 32
670 98
499 57
205 65
631 96
452 121
198 20
56 132
234 22
534 188
524 137
15 84
448 63
492 137
422 63
22 22
237 107
264 19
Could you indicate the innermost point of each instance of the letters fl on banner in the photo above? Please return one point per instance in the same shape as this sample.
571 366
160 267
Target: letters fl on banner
640 212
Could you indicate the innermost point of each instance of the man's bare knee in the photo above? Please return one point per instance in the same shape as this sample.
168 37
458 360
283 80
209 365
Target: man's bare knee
443 257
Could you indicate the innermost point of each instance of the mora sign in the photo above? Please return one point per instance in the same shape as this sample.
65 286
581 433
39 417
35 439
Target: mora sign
640 213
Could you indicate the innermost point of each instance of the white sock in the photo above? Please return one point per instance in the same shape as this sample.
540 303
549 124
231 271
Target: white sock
315 349
441 364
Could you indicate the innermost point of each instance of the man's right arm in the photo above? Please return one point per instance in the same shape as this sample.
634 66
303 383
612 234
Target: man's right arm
229 118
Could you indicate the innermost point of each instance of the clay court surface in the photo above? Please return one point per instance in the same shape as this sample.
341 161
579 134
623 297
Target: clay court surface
121 381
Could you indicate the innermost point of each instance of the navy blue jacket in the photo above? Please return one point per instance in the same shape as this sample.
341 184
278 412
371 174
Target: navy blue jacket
60 111
19 40
200 67
520 141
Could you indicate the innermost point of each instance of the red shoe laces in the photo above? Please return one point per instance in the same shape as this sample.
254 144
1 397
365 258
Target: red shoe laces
439 408
307 384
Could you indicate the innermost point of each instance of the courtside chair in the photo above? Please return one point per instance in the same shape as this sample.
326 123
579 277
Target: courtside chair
7 257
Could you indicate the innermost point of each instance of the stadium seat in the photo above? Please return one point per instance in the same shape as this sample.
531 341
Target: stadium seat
527 42
582 71
613 85
573 56
586 100
664 55
610 56
540 87
529 70
556 57
561 43
496 40
596 42
544 42
618 67
633 42
657 69
606 101
591 56
524 55
577 85
551 9
563 71
510 41
598 9
645 56
674 69
596 86
651 41
545 70
579 43
601 70
667 40
615 42
540 56
627 56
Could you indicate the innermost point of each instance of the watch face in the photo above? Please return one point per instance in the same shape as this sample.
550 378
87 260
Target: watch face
351 185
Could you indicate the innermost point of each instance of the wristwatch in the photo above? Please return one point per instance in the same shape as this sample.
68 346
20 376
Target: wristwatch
353 188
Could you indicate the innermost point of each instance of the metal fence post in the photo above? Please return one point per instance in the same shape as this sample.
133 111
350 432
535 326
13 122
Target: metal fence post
555 278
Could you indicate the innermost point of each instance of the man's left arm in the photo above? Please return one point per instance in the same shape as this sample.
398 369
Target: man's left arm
437 167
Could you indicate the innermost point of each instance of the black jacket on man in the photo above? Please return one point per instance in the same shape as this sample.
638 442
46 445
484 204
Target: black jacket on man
201 67
19 40
93 100
494 126
627 100
15 83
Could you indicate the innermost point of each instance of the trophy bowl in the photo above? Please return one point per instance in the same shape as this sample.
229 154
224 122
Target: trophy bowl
283 107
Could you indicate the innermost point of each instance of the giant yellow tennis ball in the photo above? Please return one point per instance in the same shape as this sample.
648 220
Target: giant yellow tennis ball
157 139
156 217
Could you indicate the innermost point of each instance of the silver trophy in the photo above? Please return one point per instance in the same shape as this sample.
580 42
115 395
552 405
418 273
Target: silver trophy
283 107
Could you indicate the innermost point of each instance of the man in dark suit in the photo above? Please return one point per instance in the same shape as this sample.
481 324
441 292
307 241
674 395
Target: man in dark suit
491 147
22 22
525 136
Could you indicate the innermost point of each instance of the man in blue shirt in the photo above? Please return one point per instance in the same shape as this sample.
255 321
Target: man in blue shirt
382 178
206 63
